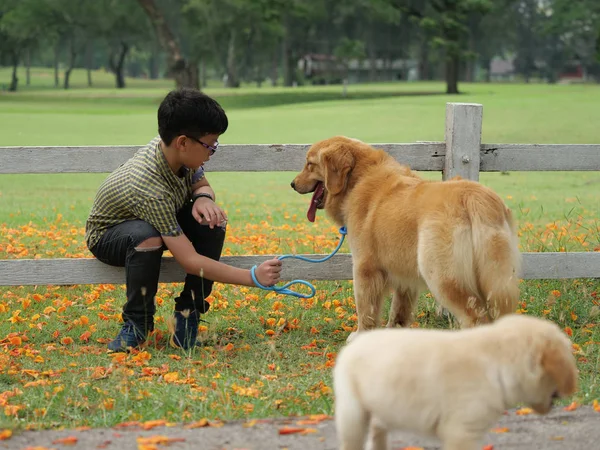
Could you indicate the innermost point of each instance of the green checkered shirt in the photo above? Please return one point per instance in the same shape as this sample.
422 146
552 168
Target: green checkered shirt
143 188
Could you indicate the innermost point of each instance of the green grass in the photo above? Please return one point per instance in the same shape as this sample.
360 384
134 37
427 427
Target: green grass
243 371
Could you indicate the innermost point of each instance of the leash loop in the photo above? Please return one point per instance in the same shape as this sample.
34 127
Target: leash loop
285 288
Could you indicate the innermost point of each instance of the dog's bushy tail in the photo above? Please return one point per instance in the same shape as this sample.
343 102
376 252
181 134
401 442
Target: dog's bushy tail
496 255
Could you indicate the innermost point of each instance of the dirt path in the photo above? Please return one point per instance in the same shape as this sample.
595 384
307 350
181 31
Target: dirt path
573 430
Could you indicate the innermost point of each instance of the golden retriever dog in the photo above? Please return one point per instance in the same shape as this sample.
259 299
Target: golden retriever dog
455 237
453 385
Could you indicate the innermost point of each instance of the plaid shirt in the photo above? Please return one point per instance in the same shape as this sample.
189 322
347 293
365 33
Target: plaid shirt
143 188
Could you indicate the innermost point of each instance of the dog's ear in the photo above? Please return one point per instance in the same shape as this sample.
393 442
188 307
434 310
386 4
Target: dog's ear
558 362
338 162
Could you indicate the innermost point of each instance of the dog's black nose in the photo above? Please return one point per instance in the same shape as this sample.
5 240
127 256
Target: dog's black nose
293 185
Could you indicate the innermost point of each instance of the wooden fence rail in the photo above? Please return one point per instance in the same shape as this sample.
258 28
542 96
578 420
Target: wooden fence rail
462 154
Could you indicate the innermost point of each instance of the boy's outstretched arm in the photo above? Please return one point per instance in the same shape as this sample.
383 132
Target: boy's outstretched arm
268 273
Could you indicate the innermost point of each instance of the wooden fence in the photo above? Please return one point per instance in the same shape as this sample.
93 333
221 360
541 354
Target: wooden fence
462 153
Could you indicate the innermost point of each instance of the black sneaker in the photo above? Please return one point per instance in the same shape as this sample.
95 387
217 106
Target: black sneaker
184 329
129 336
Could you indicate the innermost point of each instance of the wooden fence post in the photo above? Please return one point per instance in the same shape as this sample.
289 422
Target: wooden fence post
463 140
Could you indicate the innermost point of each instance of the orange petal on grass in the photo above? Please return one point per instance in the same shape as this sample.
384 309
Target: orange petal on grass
572 407
127 424
5 434
69 440
524 411
596 405
148 425
198 424
314 419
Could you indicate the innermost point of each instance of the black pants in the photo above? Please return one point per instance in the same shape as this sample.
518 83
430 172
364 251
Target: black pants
117 247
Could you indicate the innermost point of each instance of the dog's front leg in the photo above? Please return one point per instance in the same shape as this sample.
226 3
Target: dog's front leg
369 286
404 301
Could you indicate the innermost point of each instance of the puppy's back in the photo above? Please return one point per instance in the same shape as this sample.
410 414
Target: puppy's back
399 375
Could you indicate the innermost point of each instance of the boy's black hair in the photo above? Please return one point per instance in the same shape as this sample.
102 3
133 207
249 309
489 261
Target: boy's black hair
189 112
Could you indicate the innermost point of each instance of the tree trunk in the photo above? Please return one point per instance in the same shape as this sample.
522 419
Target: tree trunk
203 81
184 72
232 75
275 66
452 68
72 56
372 58
285 56
14 82
117 67
424 60
487 64
28 67
89 56
56 59
153 62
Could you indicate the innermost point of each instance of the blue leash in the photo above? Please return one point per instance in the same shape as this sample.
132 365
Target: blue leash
284 289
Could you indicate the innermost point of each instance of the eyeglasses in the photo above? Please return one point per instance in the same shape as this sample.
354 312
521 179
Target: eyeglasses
211 149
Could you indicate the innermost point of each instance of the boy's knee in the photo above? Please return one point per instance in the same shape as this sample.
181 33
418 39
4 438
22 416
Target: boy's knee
151 244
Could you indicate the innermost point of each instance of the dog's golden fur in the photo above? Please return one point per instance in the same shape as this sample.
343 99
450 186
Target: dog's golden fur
455 237
450 384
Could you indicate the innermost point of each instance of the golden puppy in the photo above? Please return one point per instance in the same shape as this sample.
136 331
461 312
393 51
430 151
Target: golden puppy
450 384
455 237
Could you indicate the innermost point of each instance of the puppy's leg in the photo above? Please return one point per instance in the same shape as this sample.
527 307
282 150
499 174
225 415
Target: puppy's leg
369 287
351 421
462 444
378 438
404 301
458 435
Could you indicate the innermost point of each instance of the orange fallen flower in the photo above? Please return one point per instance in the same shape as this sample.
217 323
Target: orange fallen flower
572 407
69 440
500 430
148 425
524 411
488 447
296 430
158 440
198 424
5 434
596 405
314 419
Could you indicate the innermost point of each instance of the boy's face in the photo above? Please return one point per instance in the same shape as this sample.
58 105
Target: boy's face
196 151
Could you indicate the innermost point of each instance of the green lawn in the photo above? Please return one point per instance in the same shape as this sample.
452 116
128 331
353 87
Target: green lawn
265 355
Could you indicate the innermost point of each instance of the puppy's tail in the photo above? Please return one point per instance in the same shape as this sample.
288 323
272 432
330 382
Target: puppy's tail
496 256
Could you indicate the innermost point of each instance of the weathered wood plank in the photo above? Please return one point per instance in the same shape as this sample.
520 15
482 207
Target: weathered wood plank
230 158
423 156
539 157
463 140
66 271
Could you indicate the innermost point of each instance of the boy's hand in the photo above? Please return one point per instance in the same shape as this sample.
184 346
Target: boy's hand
269 272
206 212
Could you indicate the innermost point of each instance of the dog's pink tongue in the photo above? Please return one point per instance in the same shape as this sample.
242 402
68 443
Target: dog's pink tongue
312 208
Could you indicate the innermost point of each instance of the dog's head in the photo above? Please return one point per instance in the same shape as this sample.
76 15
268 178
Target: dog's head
554 372
328 169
